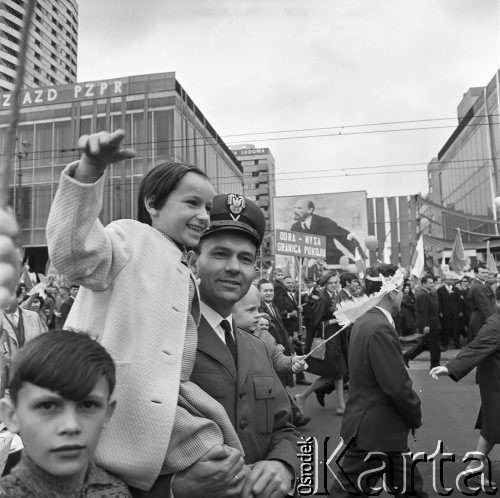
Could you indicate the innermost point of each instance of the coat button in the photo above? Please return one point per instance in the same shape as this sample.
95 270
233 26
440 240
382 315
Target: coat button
243 424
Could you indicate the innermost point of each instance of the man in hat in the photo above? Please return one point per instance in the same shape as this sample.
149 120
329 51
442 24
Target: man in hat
234 367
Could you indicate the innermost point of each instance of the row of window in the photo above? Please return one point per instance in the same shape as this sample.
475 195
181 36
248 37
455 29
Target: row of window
55 46
6 77
11 25
11 11
57 11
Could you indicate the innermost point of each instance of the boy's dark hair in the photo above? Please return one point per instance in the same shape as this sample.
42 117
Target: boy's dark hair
385 270
159 183
481 266
263 281
68 363
347 276
425 278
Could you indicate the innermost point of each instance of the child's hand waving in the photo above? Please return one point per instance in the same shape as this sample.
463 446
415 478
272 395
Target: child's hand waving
101 149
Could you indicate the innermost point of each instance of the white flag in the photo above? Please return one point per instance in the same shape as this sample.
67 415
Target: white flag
417 268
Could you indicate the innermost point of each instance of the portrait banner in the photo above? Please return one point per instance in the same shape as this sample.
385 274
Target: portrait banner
340 217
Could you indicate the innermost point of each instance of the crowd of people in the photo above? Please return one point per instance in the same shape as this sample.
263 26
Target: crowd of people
171 344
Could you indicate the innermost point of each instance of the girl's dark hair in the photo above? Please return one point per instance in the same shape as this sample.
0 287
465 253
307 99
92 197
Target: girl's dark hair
328 276
41 299
159 183
68 363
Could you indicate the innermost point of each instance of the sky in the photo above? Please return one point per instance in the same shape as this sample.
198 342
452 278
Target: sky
348 94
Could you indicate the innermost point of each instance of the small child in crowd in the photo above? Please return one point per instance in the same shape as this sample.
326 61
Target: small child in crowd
246 316
60 399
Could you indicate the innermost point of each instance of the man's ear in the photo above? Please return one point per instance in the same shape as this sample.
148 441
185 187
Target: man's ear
8 414
148 204
111 409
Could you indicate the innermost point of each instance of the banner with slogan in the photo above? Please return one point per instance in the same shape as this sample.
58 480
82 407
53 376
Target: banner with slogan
298 244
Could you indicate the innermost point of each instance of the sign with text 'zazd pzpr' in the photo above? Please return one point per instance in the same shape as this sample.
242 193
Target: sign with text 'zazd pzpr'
305 245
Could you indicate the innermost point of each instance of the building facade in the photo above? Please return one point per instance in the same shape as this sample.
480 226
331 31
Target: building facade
161 121
259 186
464 177
52 46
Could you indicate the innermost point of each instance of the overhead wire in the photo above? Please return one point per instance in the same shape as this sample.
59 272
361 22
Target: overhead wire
193 142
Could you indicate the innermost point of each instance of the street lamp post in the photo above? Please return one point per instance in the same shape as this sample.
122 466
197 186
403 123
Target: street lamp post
19 198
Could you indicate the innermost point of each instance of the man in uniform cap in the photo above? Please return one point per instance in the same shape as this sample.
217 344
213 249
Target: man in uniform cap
235 368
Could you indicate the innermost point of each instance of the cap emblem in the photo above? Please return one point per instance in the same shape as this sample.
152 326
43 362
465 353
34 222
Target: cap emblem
236 204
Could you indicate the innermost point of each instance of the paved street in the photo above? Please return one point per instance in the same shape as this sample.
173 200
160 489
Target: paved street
449 413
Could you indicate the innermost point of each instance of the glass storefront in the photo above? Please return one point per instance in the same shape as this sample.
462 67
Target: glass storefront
467 171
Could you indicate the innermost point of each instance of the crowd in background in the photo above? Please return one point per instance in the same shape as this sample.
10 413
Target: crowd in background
52 303
437 312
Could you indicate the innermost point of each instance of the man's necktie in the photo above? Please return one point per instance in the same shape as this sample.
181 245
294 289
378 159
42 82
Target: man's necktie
231 345
271 309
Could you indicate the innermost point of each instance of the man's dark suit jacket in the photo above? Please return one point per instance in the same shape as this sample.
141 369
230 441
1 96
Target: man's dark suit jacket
484 352
426 311
449 303
278 331
251 394
286 305
382 405
276 326
482 302
66 306
320 225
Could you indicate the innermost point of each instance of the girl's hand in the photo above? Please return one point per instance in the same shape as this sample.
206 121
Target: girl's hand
101 149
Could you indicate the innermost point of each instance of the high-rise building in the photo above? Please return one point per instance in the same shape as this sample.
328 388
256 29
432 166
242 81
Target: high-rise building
464 178
259 185
52 47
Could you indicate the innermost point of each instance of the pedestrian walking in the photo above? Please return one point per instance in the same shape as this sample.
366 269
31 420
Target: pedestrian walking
427 320
482 352
382 407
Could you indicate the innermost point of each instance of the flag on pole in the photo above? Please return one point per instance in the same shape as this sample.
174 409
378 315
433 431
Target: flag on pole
490 259
457 258
417 267
26 276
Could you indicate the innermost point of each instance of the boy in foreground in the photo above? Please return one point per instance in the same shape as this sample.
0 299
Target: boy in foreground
60 399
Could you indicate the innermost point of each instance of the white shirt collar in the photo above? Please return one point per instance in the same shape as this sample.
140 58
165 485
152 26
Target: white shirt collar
387 315
213 318
346 291
14 314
